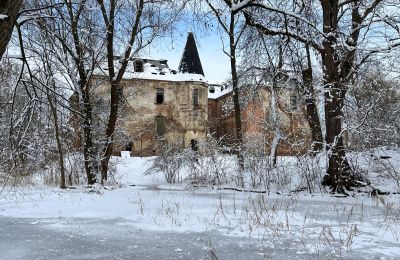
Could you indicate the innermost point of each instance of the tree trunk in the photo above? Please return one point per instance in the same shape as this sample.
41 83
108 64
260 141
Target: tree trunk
236 99
58 140
339 173
274 117
88 149
312 111
84 98
10 9
108 148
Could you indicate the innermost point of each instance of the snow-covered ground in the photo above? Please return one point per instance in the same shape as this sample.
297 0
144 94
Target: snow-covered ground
302 225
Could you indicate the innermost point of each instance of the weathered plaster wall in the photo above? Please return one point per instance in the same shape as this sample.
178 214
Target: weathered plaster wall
138 110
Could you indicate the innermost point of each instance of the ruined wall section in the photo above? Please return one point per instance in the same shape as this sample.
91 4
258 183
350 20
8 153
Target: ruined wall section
136 125
258 128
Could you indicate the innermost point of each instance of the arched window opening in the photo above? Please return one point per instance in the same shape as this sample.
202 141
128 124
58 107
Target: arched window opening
129 146
211 89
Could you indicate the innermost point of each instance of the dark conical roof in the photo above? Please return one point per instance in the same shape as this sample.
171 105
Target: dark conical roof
190 61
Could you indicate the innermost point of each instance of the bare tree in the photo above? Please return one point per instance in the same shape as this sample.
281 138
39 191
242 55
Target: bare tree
233 27
372 109
65 33
339 32
143 22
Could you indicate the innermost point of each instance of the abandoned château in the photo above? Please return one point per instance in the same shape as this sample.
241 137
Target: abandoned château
165 106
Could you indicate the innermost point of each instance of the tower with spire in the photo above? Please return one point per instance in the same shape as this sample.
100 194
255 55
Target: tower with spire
190 61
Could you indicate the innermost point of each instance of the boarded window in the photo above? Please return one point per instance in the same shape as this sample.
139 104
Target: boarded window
195 98
160 126
160 96
138 66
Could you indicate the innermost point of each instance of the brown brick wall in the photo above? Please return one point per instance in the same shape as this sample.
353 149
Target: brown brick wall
256 127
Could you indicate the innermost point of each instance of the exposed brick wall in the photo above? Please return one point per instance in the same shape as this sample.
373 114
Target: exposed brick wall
255 123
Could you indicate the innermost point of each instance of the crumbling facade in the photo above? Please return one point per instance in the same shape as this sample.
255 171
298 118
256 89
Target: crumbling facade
162 106
259 128
159 106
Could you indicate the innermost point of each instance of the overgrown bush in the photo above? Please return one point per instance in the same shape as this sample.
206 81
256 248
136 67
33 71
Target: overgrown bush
169 162
210 166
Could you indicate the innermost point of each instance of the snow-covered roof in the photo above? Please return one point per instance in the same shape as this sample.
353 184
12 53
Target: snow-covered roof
152 70
216 91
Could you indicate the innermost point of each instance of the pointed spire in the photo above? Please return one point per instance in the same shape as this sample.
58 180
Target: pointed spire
190 61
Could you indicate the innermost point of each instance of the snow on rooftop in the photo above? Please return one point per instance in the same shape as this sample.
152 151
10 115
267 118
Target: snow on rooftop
218 90
152 72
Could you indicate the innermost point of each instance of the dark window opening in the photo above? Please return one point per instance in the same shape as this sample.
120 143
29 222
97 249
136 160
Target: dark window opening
129 146
294 103
160 126
138 66
194 144
195 98
160 96
212 89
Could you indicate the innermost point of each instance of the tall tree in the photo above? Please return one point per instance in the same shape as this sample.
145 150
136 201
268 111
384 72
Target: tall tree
340 32
66 33
142 22
233 27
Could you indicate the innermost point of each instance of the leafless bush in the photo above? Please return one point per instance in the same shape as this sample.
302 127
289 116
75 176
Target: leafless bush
169 162
310 172
258 167
260 171
75 169
210 166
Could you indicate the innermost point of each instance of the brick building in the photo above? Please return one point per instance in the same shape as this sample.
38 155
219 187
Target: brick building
258 128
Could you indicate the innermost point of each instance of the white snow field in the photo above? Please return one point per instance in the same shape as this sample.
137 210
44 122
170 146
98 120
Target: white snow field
143 217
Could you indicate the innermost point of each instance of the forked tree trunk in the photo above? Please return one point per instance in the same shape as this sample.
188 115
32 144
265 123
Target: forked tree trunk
338 59
115 78
9 10
85 104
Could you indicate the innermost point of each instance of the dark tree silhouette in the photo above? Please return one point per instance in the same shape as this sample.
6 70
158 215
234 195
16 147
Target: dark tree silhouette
8 11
